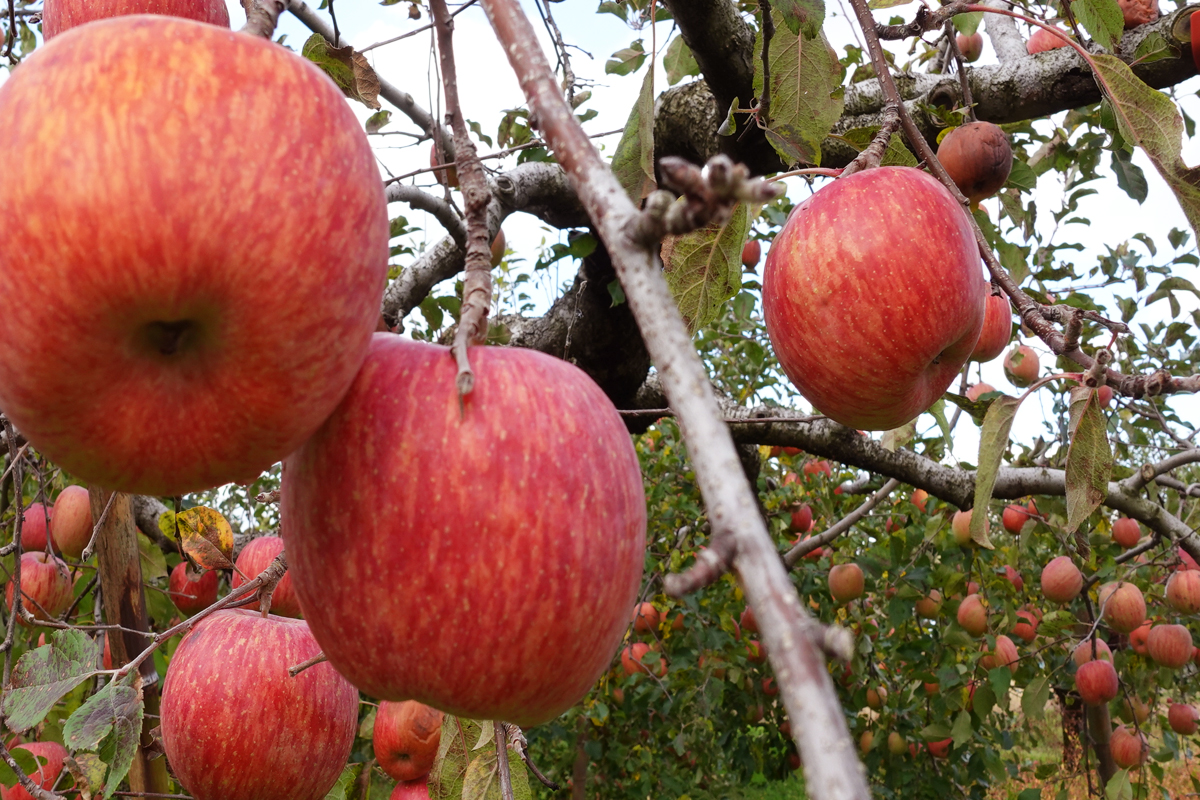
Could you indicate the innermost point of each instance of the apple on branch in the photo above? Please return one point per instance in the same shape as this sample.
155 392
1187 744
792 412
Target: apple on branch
60 15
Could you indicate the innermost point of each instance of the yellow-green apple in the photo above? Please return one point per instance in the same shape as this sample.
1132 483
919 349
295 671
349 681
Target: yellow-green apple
406 738
229 702
51 756
1170 645
978 158
846 582
1096 682
71 527
972 615
192 593
513 518
60 15
1182 718
204 301
896 744
1183 591
1128 747
46 586
35 526
256 556
1122 606
1061 580
1126 532
1021 366
1083 651
971 46
890 245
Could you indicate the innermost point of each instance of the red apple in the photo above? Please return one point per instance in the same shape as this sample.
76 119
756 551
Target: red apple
1139 637
749 623
193 594
489 550
228 700
1123 606
971 46
1096 682
755 652
1083 651
920 498
972 615
1183 591
256 556
1014 577
60 15
1138 12
1170 645
876 697
997 328
817 467
1189 563
1026 626
1104 394
1021 366
1182 718
631 658
1129 748
931 688
71 526
801 520
1014 519
446 177
35 526
406 737
171 336
645 617
890 245
46 586
1004 654
939 749
929 606
1061 580
978 158
978 390
972 588
46 776
411 790
1126 532
960 526
846 582
1042 40
751 253
499 247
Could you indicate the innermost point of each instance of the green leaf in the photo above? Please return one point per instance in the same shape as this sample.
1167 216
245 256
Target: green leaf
704 268
993 443
380 119
896 155
42 676
1089 457
1035 697
154 562
1130 177
1102 19
633 162
984 701
802 17
967 24
453 758
678 62
935 732
1118 787
962 731
627 60
26 760
349 70
342 789
1022 177
1172 284
938 410
878 4
1001 679
1032 793
109 722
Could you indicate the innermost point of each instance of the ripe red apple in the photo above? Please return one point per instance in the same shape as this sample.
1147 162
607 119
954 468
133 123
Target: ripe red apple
1182 718
960 526
1096 682
887 244
1004 654
1129 748
1014 577
60 15
1061 580
192 595
1139 637
1126 532
972 615
1042 40
876 697
929 606
846 582
499 246
1026 626
817 467
939 749
1021 366
228 700
978 158
1189 563
971 46
46 586
47 773
71 525
523 503
1083 651
997 328
256 556
35 526
446 177
1183 591
1123 606
920 498
1014 518
645 617
411 790
751 253
406 737
756 653
1170 645
749 623
170 336
1104 394
801 520
1138 12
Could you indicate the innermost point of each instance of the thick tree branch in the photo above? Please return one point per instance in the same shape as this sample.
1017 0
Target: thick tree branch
439 208
1002 31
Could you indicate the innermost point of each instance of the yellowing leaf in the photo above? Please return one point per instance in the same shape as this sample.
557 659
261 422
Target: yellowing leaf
993 443
348 69
207 537
704 268
1089 457
633 162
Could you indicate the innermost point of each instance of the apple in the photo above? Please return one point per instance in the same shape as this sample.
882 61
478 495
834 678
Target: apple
978 390
489 548
411 790
1096 681
256 556
446 177
191 595
1129 748
1026 626
171 336
1188 563
940 749
678 623
71 525
960 526
46 586
876 697
1061 580
751 253
931 688
890 245
817 467
1083 651
1014 518
972 588
801 520
972 615
1139 637
406 737
645 617
1104 394
1138 12
756 653
846 582
1123 606
1021 366
1170 645
228 700
769 688
35 526
978 158
1183 591
47 775
929 606
1126 532
1042 40
920 498
1014 577
1004 654
896 744
60 15
1182 718
971 46
1132 708
499 246
866 741
748 621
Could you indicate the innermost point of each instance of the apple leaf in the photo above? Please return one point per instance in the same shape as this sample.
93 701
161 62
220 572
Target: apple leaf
1102 19
962 731
109 722
935 732
802 17
896 155
805 92
1035 697
993 443
207 537
345 783
984 701
154 562
704 268
42 676
349 70
88 771
679 62
482 779
1119 787
633 161
1089 457
26 760
378 121
453 758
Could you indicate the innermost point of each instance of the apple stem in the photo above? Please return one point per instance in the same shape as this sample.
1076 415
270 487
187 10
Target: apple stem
303 665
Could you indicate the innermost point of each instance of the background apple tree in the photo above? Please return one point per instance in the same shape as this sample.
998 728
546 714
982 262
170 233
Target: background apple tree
929 706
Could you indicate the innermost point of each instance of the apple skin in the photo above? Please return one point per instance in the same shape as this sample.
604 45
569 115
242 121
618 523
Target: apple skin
411 790
256 556
1004 654
1124 606
499 246
204 302
1061 580
1126 532
1097 682
1129 749
751 253
846 582
1138 638
1170 645
1182 718
1083 651
1021 366
978 158
1138 12
46 581
972 615
406 738
1014 518
228 700
35 530
1183 591
515 524
971 46
192 596
71 525
645 618
55 755
929 606
888 244
1042 40
61 15
978 390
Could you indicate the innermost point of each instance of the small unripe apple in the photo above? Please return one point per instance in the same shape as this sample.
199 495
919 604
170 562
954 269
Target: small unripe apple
191 595
1170 645
929 606
978 158
1182 718
46 587
1096 681
997 328
1138 12
1021 366
978 390
971 46
751 253
645 618
1139 637
1126 532
1123 606
1061 580
1042 40
972 615
1004 654
1183 591
896 744
1128 748
406 738
846 582
71 526
1083 651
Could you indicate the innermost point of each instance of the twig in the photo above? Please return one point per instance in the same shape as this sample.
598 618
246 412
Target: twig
15 613
415 31
841 526
963 83
501 737
560 48
872 154
91 545
522 748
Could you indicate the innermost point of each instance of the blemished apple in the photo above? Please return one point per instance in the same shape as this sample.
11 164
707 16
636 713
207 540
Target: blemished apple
46 586
1021 366
1096 681
446 177
972 615
60 15
1182 718
1126 532
1061 580
514 519
35 526
47 773
1183 591
406 738
1170 645
71 526
1083 651
971 46
978 158
1128 747
191 595
171 336
228 700
890 245
1138 12
1042 40
846 582
1124 607
256 556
